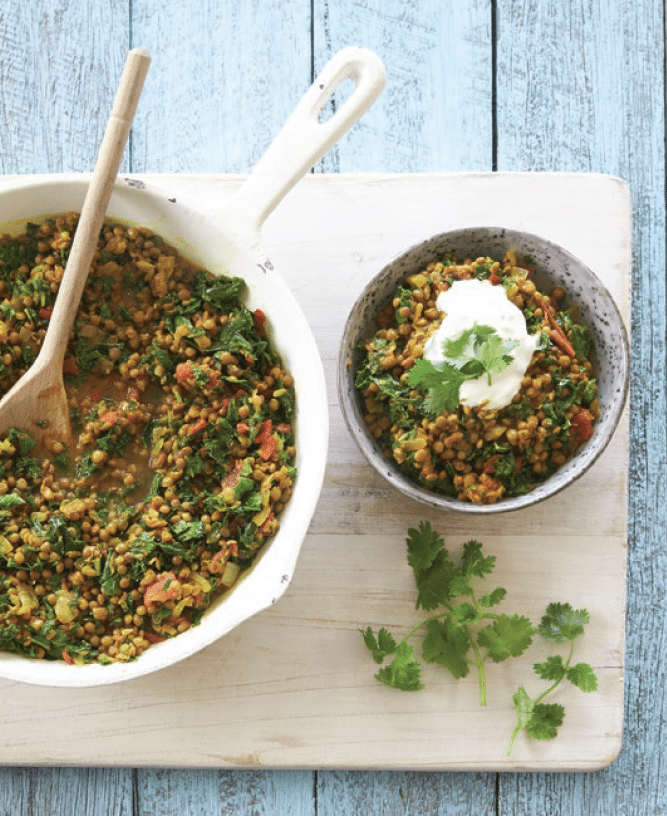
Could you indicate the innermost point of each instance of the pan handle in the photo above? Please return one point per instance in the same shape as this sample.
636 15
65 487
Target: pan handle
304 139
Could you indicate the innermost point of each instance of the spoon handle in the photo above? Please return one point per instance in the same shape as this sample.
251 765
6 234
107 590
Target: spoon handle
94 206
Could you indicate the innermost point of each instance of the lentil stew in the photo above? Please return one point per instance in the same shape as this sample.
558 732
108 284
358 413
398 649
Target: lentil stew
475 454
184 447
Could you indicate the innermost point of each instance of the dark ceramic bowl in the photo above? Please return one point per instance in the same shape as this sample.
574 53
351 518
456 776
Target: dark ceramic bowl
555 267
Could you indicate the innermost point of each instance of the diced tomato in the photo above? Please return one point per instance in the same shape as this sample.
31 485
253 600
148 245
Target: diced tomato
582 423
151 637
490 464
161 590
227 550
283 427
232 478
242 427
133 393
184 372
45 313
267 440
109 417
494 279
67 658
260 319
198 426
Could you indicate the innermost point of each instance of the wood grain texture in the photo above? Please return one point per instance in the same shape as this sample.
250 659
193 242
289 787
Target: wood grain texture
66 791
404 792
435 112
225 77
60 67
584 90
214 793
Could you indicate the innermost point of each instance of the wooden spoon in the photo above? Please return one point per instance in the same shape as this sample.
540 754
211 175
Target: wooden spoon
37 402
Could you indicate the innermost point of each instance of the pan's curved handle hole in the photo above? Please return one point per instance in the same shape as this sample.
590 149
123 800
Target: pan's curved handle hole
335 101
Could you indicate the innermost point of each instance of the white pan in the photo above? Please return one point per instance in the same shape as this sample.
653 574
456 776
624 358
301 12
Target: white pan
226 239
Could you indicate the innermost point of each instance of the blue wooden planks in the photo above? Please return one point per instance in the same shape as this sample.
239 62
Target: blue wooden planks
58 76
224 78
205 793
435 112
66 791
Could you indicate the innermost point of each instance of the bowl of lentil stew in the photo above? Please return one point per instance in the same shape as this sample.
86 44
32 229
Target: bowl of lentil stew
469 458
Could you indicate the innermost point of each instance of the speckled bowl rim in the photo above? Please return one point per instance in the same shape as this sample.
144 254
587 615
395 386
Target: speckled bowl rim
386 280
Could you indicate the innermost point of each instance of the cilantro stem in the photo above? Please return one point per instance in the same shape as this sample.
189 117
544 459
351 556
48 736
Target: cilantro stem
479 660
515 734
557 683
481 674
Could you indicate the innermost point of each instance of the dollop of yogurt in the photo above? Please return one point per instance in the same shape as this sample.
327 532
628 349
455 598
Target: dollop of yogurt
478 302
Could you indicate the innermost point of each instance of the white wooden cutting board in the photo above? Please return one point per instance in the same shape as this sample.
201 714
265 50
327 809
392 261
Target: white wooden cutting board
294 686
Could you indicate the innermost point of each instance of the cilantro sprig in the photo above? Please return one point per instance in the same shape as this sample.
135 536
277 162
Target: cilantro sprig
560 624
475 352
464 633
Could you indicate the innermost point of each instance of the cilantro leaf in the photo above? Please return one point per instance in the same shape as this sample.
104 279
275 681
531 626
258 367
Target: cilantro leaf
442 385
493 598
545 720
433 571
476 336
552 668
507 636
476 351
382 646
404 672
466 613
460 585
434 584
539 720
495 354
561 622
583 677
474 563
447 644
424 544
